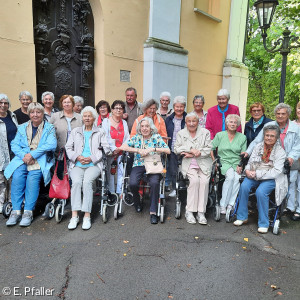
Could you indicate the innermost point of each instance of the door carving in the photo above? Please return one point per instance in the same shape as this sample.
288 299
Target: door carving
64 45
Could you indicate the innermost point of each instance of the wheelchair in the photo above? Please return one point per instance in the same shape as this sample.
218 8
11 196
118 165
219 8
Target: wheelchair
215 187
275 211
126 196
144 190
106 197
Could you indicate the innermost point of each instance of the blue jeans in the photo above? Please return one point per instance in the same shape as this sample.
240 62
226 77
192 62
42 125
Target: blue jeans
264 188
26 184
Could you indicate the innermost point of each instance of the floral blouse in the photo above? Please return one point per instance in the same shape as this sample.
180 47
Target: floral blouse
155 141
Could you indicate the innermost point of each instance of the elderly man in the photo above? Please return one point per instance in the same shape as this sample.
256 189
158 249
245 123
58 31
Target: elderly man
165 99
132 107
25 99
216 115
289 139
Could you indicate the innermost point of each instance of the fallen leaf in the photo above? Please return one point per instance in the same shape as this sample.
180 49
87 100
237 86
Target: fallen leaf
279 293
188 265
124 254
0 233
268 247
147 291
100 277
30 276
125 242
244 247
270 268
122 224
246 239
283 231
98 244
168 218
20 242
196 237
170 296
92 282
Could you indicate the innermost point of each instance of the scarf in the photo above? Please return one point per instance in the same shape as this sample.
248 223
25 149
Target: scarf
223 115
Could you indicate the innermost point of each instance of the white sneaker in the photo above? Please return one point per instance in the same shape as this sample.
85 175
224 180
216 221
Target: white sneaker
240 222
262 229
189 216
201 218
73 223
223 210
172 194
86 224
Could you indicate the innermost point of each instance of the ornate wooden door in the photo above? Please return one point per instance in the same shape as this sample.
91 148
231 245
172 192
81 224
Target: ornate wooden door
64 40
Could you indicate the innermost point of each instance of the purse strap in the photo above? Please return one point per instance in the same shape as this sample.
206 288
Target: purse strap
65 162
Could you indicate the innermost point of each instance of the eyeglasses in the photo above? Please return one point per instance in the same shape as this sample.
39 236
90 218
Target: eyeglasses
198 103
3 103
256 110
118 108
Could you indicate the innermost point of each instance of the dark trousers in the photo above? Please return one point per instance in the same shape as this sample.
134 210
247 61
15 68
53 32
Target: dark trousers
153 180
129 163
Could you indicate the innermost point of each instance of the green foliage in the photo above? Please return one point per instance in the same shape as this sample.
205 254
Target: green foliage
264 67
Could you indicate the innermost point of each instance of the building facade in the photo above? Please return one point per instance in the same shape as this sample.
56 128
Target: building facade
186 47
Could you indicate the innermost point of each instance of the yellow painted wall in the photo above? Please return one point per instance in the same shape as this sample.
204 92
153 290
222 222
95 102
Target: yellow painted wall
17 54
121 28
120 34
206 41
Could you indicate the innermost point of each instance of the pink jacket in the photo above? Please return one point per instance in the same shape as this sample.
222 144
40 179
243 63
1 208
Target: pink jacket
214 119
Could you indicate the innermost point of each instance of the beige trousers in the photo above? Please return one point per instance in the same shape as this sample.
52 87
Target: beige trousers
197 192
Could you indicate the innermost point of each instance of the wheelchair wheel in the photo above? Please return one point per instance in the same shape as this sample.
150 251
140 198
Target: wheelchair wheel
178 210
7 208
58 213
162 212
116 210
112 199
276 227
217 213
104 213
128 199
229 216
49 210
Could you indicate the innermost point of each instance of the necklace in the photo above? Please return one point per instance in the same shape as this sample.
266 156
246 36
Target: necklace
115 120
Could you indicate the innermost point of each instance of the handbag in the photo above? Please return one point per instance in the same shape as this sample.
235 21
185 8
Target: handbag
153 164
60 188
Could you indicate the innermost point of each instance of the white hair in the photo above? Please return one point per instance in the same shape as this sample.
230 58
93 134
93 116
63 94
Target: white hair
78 99
191 115
149 102
46 94
233 116
165 94
26 93
35 105
151 124
283 106
91 110
223 92
4 96
179 100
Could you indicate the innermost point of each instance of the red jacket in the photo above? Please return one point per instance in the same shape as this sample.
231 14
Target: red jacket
214 119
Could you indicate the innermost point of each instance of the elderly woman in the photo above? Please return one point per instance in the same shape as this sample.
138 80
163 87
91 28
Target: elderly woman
48 101
149 108
174 123
295 180
230 144
66 120
216 115
193 142
198 103
256 122
145 143
33 146
103 110
85 165
116 130
8 130
265 172
289 139
79 102
165 99
22 115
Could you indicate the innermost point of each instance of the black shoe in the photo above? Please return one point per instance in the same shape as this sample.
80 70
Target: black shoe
138 208
153 219
295 217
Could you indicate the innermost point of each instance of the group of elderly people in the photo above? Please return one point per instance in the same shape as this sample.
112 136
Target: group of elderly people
31 135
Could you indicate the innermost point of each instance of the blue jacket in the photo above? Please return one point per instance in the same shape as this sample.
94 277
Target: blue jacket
249 131
170 126
20 147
